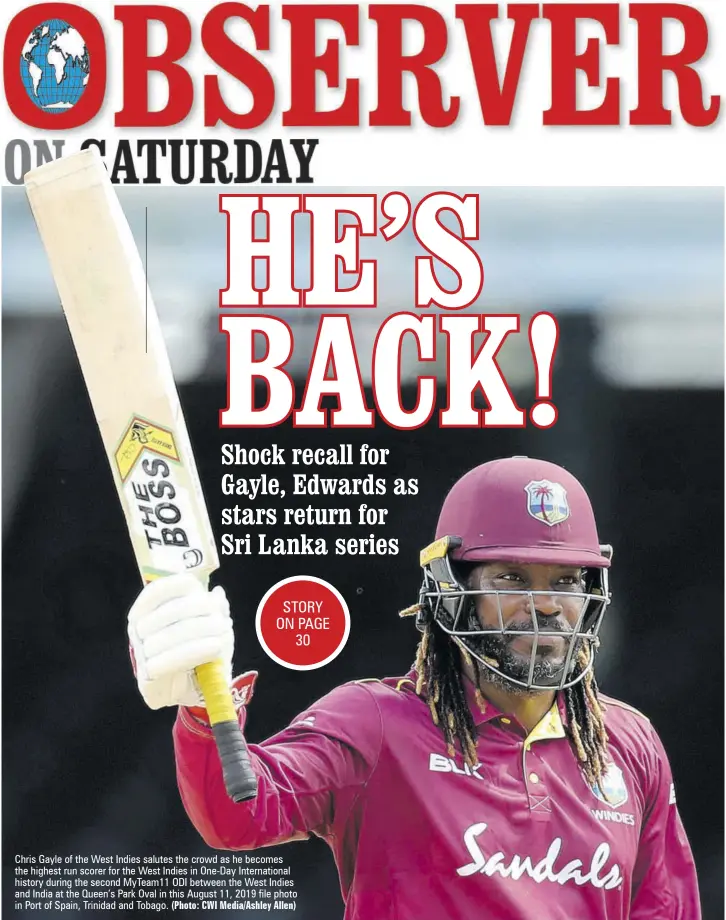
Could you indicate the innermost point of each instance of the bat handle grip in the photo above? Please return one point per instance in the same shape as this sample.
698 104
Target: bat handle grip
239 777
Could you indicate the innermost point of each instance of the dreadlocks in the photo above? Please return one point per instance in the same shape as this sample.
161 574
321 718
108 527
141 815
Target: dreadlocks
586 723
441 684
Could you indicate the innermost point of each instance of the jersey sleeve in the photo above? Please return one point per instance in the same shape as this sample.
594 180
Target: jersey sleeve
664 880
309 775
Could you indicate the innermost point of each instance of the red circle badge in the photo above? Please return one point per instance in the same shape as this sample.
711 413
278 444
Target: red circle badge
303 623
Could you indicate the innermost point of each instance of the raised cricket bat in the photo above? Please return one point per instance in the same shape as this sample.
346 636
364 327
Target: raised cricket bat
118 340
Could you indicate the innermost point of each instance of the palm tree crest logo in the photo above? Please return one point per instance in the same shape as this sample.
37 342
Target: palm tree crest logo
547 502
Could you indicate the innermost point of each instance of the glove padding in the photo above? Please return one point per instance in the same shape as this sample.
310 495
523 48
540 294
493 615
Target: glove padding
175 625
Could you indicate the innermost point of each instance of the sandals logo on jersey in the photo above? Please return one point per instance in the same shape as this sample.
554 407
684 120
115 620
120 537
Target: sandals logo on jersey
552 867
547 502
611 790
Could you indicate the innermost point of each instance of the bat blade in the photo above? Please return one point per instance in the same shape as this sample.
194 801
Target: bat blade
117 337
118 340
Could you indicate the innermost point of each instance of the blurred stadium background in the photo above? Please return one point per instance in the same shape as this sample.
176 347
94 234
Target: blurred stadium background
636 279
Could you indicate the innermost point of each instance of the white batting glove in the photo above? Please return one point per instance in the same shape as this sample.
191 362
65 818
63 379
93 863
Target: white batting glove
175 625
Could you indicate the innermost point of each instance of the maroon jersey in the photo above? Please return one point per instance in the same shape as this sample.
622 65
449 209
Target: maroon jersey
417 834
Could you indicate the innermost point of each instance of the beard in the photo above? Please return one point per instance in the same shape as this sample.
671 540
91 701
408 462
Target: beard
514 665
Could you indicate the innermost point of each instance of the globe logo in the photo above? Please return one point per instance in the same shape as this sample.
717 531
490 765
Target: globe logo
54 66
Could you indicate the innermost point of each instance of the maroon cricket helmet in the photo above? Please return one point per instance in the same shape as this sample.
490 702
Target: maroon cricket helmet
521 510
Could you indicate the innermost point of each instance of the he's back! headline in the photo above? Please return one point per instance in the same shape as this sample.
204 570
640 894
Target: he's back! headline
271 267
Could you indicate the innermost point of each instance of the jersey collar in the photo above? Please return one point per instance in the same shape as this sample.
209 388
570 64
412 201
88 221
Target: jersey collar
551 725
